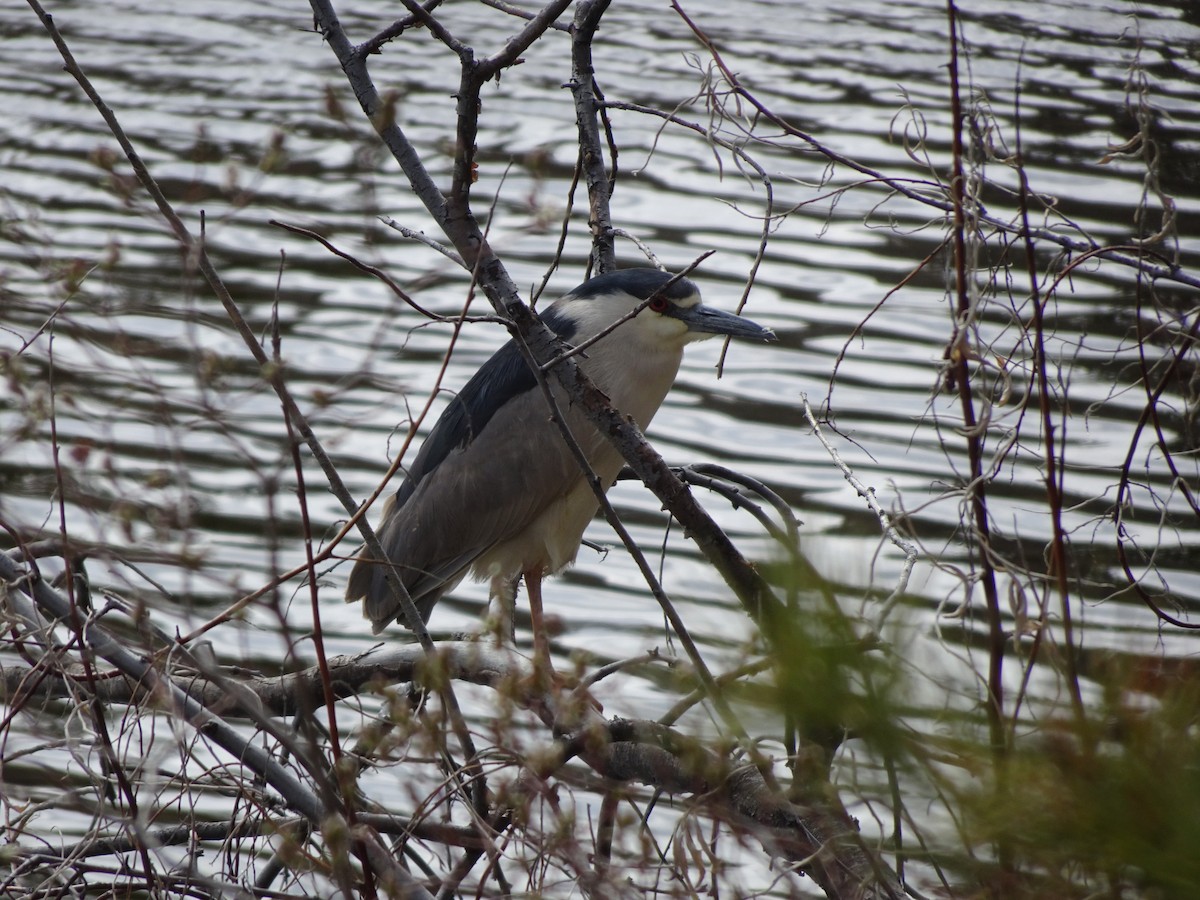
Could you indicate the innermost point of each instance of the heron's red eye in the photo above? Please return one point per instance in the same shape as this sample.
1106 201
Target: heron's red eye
659 304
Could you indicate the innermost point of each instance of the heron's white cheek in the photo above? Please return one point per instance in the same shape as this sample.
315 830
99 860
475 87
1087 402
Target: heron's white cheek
657 332
692 336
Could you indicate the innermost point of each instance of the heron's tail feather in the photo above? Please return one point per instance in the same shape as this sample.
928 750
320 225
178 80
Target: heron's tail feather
368 582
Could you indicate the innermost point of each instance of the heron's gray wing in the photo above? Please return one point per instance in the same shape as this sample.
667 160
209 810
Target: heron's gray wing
429 542
479 496
503 377
424 584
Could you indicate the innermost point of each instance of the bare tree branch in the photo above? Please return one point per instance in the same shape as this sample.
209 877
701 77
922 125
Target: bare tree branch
455 219
599 182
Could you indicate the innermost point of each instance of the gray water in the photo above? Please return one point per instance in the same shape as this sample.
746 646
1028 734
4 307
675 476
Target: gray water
171 443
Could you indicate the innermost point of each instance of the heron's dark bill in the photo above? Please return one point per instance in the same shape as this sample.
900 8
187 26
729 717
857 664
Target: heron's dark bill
708 320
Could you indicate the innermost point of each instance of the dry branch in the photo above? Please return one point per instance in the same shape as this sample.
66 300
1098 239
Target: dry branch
821 839
452 214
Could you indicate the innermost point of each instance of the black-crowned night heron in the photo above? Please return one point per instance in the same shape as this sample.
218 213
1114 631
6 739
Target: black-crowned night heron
495 490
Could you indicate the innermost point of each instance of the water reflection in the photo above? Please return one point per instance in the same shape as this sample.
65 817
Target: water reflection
204 126
172 442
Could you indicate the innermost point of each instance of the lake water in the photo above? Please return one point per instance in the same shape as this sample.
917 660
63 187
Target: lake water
174 458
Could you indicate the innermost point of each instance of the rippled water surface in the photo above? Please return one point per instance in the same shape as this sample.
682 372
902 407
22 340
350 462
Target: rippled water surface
173 448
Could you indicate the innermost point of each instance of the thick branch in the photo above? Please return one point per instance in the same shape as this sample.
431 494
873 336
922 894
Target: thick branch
820 838
464 233
591 155
298 692
521 41
153 683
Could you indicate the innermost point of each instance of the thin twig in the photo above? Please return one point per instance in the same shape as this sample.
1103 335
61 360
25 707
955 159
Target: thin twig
885 521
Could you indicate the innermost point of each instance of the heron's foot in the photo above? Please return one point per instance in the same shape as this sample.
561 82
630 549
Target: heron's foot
570 698
543 677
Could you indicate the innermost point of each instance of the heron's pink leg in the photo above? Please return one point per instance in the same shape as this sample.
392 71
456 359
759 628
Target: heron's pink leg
541 644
